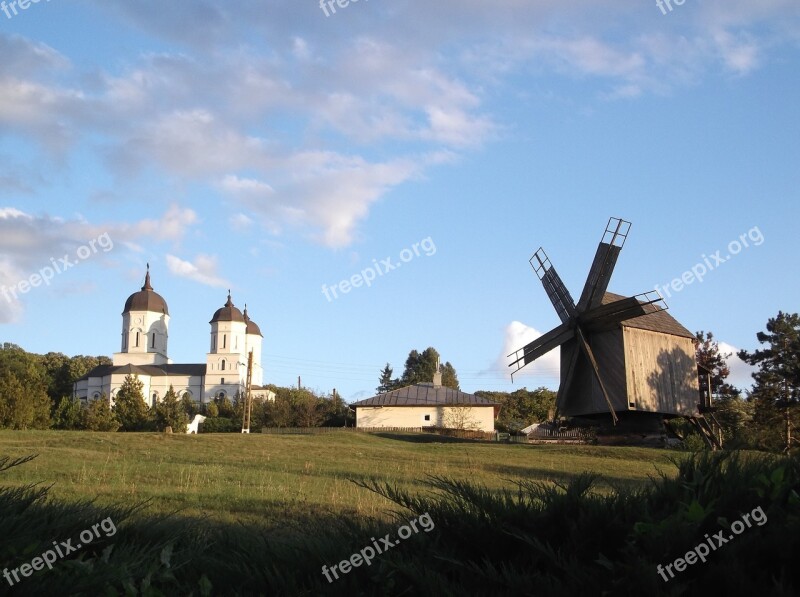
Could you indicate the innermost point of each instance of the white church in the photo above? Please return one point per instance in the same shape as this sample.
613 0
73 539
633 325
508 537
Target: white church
143 353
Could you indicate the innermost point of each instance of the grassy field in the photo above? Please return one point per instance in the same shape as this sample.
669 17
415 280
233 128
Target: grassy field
269 479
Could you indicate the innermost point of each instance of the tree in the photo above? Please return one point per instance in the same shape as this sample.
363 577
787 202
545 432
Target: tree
130 407
522 407
68 414
169 412
307 411
710 359
190 407
335 412
212 410
98 416
420 368
278 413
23 405
777 381
387 382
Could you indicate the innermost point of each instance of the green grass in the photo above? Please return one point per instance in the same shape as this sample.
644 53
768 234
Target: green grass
509 519
275 478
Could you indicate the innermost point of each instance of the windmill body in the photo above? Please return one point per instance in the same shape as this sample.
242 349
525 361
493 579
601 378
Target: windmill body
622 357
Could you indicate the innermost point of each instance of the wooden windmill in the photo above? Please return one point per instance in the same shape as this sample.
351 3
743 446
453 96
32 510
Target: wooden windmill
618 355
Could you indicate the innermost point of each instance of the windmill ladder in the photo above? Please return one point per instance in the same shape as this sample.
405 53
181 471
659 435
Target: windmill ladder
709 429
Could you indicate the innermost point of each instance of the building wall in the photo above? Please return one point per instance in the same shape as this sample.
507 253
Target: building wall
661 372
585 397
149 326
228 345
154 388
254 342
415 416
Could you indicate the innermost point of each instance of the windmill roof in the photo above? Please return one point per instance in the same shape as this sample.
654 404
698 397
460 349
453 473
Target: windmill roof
424 394
661 321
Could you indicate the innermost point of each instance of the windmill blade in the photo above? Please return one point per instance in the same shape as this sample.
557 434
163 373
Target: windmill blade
603 265
607 316
542 345
590 355
556 291
563 389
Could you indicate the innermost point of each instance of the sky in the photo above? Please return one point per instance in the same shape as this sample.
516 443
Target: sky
419 152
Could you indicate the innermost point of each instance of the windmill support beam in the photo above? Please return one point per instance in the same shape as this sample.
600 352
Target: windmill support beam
588 350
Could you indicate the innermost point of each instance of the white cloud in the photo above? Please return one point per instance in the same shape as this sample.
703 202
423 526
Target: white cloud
545 370
356 110
203 270
30 242
741 372
240 222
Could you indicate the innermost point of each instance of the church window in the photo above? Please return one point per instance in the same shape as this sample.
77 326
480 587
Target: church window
214 342
137 339
224 340
222 381
124 341
153 342
223 364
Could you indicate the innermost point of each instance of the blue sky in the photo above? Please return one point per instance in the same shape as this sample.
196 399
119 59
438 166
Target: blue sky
270 149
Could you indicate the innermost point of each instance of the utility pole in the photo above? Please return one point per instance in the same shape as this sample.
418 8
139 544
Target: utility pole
248 399
298 383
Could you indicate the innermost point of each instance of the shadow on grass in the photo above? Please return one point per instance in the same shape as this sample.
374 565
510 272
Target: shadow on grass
427 438
533 473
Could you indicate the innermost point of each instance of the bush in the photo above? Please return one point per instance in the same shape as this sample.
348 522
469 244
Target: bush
220 425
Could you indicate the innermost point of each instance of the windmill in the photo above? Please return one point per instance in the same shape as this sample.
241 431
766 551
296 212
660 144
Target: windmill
618 354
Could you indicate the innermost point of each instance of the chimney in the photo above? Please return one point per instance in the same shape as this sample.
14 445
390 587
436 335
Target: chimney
437 376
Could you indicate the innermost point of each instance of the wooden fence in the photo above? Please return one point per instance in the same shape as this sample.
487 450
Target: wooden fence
573 435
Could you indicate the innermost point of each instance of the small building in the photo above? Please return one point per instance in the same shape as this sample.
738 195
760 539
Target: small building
427 405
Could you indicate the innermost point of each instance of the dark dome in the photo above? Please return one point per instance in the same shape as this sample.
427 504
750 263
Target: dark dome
227 313
146 299
252 326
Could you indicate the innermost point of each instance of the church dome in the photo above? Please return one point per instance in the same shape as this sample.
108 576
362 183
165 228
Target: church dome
252 326
227 312
146 299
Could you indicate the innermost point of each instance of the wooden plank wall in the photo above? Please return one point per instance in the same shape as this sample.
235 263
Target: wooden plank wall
661 372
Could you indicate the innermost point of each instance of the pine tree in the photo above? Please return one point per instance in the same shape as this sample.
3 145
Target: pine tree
130 407
98 416
387 383
67 414
777 381
710 359
169 412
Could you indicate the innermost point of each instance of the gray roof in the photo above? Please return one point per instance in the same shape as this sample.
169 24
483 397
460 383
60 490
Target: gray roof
424 394
660 321
191 369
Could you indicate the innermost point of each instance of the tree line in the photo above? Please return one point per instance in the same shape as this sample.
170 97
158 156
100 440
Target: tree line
36 393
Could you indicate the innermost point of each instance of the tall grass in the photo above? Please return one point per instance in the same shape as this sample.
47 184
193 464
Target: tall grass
532 538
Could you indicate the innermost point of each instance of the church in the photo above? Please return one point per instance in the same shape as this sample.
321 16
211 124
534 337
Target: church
144 353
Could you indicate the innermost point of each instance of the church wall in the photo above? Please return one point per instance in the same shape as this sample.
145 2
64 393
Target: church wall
153 339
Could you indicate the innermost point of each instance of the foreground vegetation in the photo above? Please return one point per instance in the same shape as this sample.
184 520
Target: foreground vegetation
532 537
